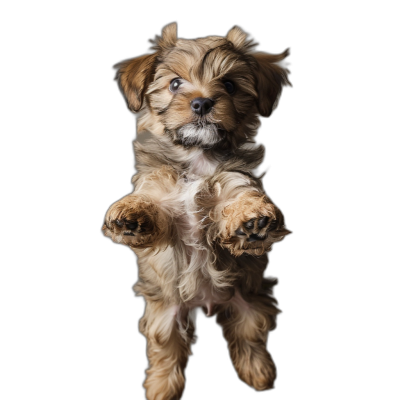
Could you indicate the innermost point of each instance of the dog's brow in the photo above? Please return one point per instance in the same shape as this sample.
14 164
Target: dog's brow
169 68
172 70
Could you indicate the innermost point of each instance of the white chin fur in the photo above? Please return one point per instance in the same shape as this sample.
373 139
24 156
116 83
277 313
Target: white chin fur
193 134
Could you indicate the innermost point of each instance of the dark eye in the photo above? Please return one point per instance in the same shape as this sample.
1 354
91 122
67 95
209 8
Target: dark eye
229 86
174 85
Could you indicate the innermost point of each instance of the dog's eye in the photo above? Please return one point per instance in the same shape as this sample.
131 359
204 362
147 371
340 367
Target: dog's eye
229 86
174 85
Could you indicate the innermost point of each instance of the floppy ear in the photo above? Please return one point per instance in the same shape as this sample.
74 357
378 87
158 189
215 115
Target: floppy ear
271 78
134 76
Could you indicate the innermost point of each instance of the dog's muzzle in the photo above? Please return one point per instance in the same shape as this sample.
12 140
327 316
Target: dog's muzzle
199 134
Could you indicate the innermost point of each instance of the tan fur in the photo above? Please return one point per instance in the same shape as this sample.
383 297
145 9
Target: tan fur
198 219
246 326
167 349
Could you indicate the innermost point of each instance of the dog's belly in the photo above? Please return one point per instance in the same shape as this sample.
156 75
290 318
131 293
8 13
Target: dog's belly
198 254
198 288
208 298
197 285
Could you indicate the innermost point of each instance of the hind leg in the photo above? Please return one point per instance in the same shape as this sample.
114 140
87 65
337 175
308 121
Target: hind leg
246 326
169 334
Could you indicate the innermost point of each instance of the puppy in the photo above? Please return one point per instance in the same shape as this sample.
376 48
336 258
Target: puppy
198 219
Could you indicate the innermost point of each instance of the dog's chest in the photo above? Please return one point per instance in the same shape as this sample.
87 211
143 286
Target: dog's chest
200 168
189 185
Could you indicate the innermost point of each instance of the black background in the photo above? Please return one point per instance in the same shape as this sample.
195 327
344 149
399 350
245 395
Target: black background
109 356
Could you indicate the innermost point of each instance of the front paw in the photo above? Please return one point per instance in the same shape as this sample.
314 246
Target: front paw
252 224
134 221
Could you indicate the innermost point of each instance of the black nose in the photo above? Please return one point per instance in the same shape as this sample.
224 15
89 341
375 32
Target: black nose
201 106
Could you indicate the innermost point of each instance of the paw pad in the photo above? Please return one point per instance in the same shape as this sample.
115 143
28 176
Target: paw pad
256 229
127 227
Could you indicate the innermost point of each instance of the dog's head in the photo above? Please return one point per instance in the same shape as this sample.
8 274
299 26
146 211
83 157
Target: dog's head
204 92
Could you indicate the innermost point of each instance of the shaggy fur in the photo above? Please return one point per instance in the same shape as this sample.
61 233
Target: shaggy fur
198 219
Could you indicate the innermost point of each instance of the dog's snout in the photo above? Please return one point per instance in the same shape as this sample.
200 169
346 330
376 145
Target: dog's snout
202 106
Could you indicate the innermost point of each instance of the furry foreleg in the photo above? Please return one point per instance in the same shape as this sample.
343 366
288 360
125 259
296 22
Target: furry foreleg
239 215
144 218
